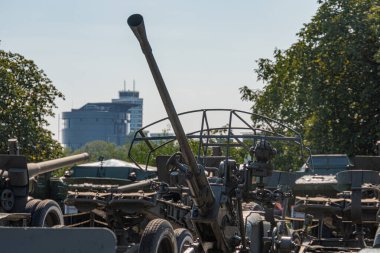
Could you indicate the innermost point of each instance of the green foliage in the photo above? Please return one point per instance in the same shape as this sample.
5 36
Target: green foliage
140 151
289 156
326 85
26 99
96 150
106 150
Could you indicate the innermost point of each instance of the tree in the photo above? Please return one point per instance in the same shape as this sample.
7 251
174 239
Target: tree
99 149
326 85
26 98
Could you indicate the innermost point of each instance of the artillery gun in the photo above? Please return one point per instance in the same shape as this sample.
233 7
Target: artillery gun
219 220
33 225
208 208
204 201
16 207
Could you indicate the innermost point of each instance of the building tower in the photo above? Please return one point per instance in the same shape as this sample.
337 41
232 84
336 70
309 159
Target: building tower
136 112
111 122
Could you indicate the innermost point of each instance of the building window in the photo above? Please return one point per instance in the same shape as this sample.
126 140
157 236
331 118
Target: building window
67 123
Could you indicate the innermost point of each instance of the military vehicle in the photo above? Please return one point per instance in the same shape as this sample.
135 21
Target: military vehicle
33 225
103 173
340 212
335 205
16 207
325 164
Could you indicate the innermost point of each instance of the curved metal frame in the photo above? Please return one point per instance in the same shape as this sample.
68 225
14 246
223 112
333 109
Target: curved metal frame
205 133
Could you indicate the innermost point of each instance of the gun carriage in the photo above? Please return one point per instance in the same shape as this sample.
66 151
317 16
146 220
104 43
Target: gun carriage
199 192
16 207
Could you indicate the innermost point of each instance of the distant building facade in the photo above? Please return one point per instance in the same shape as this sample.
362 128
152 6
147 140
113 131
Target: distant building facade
111 122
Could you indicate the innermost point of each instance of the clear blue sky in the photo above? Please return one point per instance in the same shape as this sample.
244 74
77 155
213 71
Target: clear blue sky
206 50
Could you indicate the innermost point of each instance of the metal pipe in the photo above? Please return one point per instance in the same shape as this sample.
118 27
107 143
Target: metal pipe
198 184
135 185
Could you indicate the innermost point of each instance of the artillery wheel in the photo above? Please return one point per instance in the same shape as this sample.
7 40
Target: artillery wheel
31 205
255 232
7 200
158 237
183 237
47 214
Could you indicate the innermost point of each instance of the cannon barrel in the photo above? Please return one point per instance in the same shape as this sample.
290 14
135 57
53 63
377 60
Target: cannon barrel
35 169
198 184
135 185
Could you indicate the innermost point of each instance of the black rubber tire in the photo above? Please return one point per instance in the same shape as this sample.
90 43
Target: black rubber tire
158 237
182 236
47 214
31 205
255 232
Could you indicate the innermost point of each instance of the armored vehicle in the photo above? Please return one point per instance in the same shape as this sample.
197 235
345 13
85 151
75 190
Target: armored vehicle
100 174
325 164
